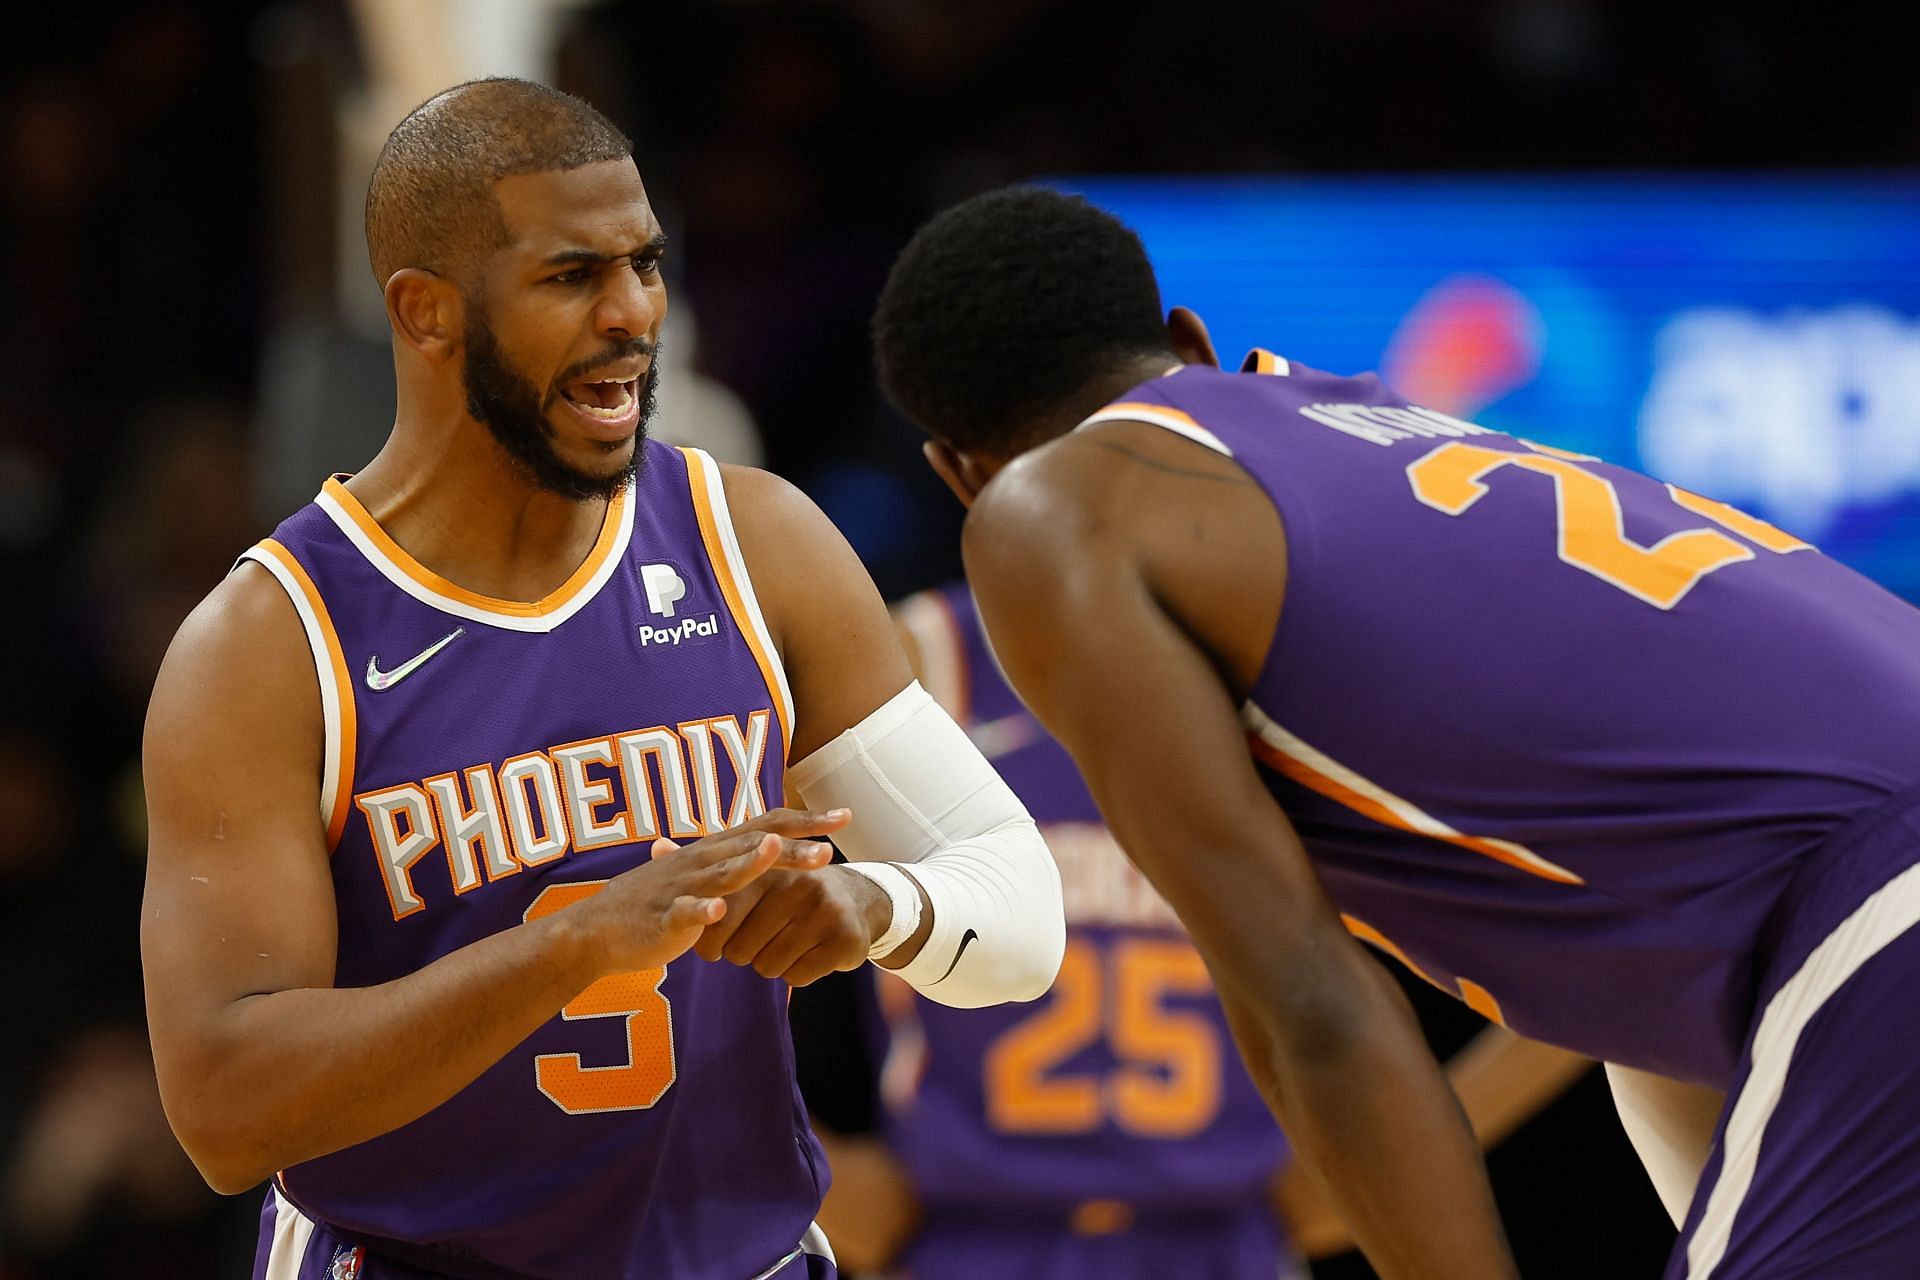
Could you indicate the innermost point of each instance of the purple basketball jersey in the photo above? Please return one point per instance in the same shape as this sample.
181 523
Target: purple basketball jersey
1121 1084
1553 732
492 762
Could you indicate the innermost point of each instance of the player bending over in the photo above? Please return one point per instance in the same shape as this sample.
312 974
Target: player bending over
1627 769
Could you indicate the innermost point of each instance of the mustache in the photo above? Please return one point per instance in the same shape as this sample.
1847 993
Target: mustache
646 347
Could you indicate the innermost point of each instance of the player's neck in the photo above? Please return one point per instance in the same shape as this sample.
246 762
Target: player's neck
466 511
1102 391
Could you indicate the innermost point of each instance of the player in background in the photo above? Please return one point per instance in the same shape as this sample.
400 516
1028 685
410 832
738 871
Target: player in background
416 928
1625 768
1108 1129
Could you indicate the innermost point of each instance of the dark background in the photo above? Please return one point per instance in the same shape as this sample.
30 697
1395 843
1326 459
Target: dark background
168 246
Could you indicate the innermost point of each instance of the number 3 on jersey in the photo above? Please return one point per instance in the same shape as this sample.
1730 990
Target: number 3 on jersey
1591 536
1166 1082
648 1073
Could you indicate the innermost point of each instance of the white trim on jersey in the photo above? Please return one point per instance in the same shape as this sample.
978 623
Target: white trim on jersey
1892 910
1172 419
1280 750
427 595
709 471
330 693
292 1230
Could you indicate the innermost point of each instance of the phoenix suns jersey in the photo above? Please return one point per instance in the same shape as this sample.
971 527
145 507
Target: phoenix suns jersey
1121 1084
1554 733
490 762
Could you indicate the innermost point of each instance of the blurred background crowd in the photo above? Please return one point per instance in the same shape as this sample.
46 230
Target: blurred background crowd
190 341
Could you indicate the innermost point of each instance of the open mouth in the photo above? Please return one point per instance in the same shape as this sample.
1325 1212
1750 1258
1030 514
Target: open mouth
610 401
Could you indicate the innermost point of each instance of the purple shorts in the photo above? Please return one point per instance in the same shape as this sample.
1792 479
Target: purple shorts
1815 1167
1161 1244
294 1247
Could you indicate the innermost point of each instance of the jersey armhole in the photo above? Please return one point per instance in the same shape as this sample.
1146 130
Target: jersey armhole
736 584
336 686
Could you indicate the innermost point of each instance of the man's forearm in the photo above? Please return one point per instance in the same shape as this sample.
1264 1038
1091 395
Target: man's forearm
1503 1080
291 1075
1362 1100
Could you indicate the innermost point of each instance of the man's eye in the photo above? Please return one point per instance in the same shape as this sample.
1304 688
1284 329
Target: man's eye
574 276
647 266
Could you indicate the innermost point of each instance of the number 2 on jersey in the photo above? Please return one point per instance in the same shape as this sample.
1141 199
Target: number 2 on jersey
1591 537
1167 1081
649 1071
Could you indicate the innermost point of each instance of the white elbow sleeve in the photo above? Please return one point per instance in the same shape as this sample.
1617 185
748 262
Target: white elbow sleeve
924 798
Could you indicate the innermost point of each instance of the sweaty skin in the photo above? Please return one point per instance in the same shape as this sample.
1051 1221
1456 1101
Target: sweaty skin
262 1062
1131 581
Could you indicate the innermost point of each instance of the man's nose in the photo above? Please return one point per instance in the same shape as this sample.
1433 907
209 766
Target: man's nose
629 307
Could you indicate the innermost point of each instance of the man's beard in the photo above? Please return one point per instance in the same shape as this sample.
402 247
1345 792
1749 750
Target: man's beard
512 411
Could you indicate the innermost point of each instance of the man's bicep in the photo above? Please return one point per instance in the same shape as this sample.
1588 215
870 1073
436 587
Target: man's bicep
838 644
239 899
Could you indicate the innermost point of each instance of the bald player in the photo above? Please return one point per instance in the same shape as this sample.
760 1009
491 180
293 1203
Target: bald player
1621 766
472 905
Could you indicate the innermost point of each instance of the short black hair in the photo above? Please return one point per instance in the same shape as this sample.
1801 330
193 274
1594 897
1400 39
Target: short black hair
1006 305
430 202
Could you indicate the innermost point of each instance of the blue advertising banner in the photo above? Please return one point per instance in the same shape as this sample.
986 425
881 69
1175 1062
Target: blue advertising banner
1755 339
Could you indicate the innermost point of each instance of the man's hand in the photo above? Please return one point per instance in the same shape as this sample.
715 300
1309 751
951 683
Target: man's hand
650 915
799 925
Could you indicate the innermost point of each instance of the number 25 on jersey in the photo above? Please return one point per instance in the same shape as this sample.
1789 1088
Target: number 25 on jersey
1166 1079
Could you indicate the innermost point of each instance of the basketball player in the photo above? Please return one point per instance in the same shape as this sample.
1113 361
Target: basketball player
416 925
1107 1129
1625 768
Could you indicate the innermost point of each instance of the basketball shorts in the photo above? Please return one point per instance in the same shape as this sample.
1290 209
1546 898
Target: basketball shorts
1815 1164
295 1247
1122 1244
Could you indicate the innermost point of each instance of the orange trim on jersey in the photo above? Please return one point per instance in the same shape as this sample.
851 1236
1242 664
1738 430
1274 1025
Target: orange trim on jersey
343 691
1336 790
1368 934
552 602
1480 1000
1122 410
697 480
1264 361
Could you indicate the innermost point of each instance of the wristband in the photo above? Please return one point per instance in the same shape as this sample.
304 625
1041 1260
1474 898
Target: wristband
904 895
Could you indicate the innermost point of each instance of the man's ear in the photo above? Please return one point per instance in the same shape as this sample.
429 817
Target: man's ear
1190 339
965 474
425 312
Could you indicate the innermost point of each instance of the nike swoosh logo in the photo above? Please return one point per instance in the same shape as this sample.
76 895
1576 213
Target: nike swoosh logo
378 680
965 938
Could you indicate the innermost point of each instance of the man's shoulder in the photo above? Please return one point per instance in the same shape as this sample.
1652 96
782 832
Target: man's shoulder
244 632
1102 490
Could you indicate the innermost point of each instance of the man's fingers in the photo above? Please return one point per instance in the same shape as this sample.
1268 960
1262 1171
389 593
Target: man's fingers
767 854
815 965
689 912
794 824
660 847
777 954
801 822
740 906
756 928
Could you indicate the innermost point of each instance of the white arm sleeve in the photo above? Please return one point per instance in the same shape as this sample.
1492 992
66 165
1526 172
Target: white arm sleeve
923 797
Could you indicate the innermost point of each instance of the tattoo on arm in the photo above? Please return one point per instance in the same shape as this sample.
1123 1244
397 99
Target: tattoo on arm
1232 476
